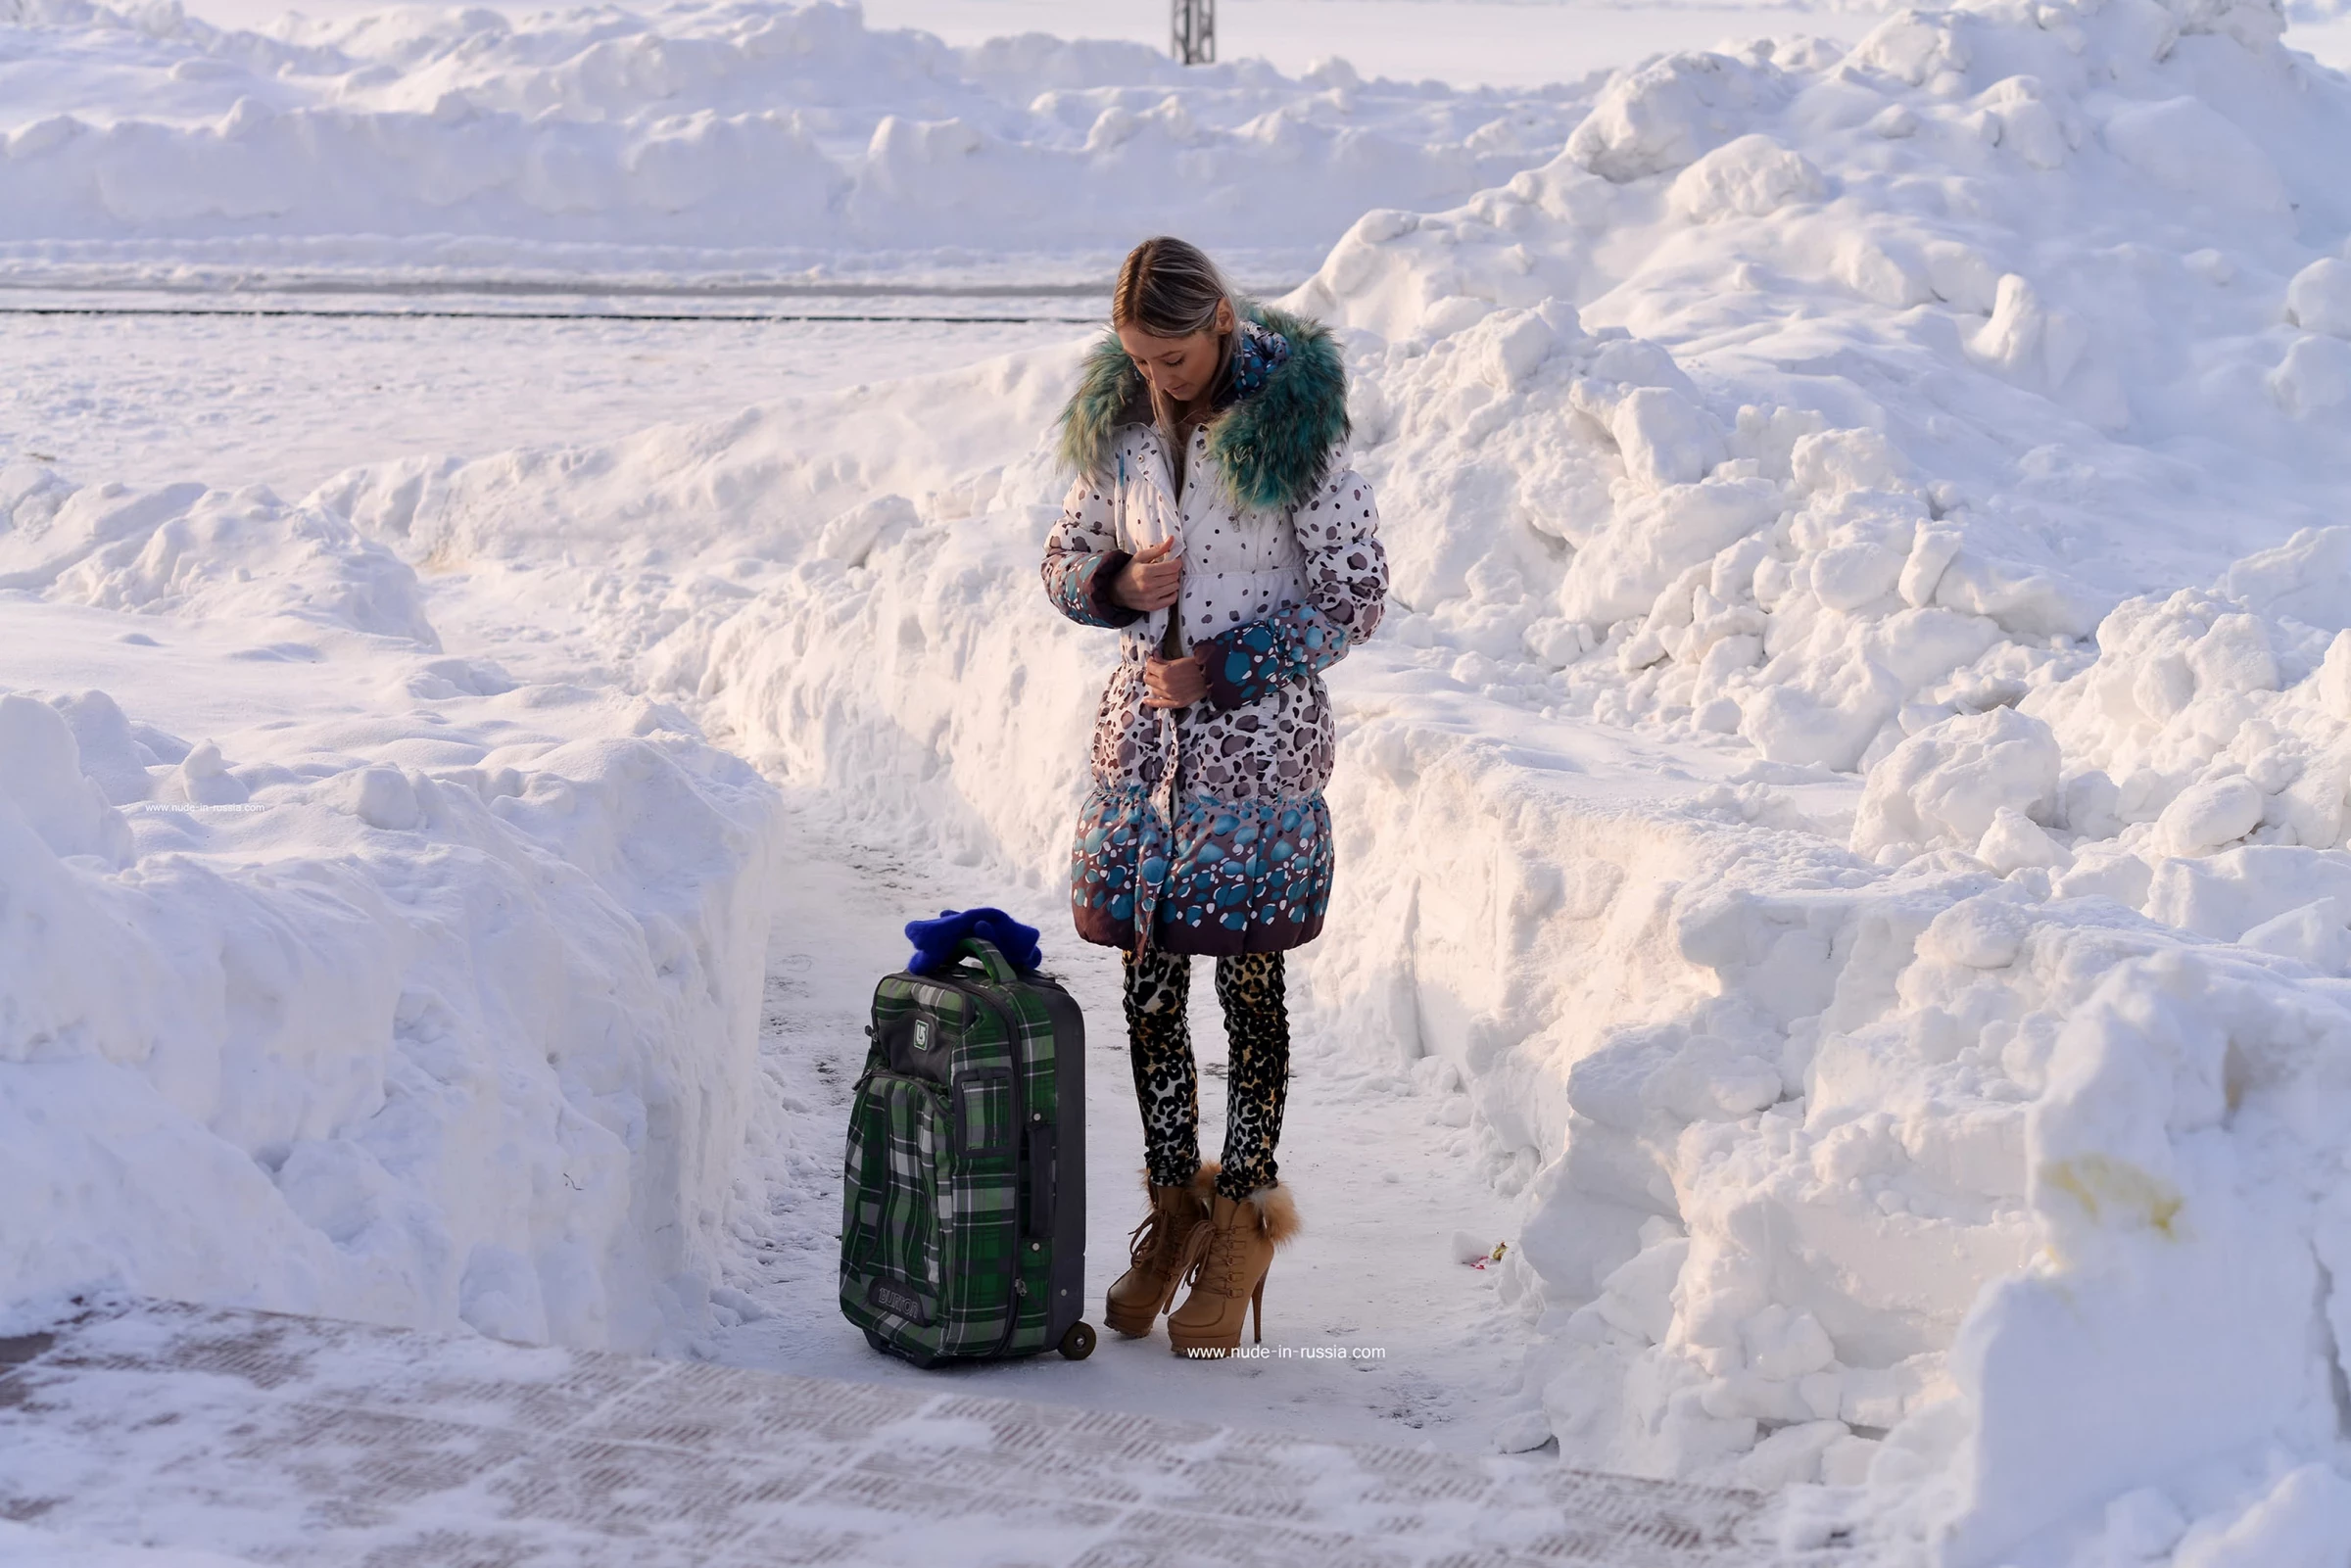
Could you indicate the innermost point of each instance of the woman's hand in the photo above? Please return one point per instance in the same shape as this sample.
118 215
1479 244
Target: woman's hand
1173 683
1150 581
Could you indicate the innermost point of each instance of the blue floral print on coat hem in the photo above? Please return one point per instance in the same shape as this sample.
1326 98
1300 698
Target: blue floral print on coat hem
1251 876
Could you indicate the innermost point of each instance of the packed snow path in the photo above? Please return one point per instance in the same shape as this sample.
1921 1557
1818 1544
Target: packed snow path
194 1433
1376 1331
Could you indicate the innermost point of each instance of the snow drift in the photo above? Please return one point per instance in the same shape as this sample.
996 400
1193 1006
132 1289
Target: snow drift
1913 1012
781 136
1956 1162
1852 795
392 988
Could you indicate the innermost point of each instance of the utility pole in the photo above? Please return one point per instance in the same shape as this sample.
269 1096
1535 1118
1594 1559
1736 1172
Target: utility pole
1195 31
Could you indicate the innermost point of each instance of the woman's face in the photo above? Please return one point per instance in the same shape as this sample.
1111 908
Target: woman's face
1179 369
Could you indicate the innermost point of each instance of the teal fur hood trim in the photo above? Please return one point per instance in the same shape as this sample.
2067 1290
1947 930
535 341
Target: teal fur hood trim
1273 446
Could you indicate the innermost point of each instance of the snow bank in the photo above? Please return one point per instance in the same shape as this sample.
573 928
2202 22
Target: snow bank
387 988
1955 1136
830 583
1959 1165
1911 387
1856 776
200 554
789 137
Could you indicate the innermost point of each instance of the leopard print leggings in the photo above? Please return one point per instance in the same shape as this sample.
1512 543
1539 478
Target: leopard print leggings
1166 1085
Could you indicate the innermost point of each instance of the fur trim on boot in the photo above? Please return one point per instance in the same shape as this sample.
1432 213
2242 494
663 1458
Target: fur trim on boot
1277 1214
1232 1254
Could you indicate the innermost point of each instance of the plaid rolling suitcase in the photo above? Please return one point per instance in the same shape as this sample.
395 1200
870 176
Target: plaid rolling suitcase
962 1203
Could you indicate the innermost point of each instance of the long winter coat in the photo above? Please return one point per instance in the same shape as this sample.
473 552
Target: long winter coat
1205 829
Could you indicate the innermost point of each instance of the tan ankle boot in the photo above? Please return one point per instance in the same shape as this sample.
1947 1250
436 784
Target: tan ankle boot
1158 1251
1228 1275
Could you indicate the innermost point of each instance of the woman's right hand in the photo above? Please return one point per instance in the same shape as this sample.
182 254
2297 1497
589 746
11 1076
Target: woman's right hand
1150 580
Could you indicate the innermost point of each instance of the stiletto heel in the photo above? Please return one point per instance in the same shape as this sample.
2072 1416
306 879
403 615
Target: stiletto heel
1257 1311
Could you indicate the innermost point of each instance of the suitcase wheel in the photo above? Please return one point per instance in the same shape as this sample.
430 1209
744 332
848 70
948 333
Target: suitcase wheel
879 1343
1078 1343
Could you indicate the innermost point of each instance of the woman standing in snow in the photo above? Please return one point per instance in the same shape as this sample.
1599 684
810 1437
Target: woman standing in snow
1212 522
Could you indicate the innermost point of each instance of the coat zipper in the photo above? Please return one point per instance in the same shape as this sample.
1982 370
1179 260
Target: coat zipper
1171 749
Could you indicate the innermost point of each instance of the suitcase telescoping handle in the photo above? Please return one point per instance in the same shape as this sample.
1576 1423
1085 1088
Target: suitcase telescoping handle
992 959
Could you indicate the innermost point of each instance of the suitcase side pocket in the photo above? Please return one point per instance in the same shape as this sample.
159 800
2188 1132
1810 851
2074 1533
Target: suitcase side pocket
984 1113
892 1261
861 1177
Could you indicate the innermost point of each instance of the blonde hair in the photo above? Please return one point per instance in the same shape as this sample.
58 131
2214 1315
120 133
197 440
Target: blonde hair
1170 289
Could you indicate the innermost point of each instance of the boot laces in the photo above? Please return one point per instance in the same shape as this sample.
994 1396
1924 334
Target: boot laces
1212 1256
1153 1246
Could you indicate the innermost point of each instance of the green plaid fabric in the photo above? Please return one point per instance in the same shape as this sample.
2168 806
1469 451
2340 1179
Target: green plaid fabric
932 1255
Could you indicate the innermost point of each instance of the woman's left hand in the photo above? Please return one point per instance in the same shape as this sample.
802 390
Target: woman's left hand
1173 683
